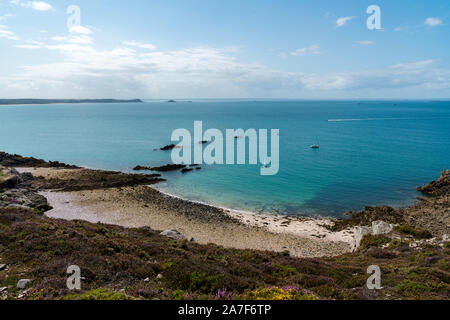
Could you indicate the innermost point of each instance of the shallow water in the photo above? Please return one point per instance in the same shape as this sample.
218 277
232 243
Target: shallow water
371 153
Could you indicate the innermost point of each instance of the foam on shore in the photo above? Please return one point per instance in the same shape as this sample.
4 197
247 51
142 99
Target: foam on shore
308 227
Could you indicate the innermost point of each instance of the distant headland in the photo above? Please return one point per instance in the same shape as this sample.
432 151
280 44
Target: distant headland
50 101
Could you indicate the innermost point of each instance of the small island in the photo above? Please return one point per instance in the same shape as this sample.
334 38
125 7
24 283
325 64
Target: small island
51 101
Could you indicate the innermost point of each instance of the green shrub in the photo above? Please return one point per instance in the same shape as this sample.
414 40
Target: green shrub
204 282
370 240
415 232
178 295
279 294
416 289
284 271
98 294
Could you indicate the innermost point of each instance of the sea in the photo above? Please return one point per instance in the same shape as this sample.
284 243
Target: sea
370 152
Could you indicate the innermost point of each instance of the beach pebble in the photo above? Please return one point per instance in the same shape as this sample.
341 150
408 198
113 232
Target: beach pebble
173 234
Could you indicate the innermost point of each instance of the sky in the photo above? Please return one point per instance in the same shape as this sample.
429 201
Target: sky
180 49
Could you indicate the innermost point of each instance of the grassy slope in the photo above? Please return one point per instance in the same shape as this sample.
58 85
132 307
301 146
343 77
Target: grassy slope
115 261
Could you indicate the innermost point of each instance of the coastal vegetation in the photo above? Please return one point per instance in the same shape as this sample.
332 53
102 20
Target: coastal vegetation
119 263
415 232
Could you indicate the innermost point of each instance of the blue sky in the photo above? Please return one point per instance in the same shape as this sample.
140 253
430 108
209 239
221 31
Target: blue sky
224 49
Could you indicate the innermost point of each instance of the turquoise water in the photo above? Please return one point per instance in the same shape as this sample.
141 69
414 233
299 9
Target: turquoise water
372 153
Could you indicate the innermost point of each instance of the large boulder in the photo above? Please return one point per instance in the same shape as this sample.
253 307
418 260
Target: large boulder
360 232
381 227
9 178
23 199
378 228
173 234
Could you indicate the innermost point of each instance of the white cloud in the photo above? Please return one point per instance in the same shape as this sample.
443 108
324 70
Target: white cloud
314 49
80 30
198 72
5 16
433 22
421 74
414 65
139 45
77 39
35 5
77 35
125 71
340 22
365 42
28 46
39 5
7 34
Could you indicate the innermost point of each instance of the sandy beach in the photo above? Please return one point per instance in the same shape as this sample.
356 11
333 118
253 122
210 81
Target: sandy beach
139 206
91 195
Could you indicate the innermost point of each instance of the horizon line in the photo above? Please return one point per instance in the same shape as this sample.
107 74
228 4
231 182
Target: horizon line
286 99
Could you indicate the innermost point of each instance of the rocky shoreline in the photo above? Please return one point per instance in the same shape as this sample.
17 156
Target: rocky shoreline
15 160
25 189
35 193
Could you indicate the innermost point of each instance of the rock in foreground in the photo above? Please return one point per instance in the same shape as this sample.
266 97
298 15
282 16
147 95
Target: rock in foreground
173 234
23 283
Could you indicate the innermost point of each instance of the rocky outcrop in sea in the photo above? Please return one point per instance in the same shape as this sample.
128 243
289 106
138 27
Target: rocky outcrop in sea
15 160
